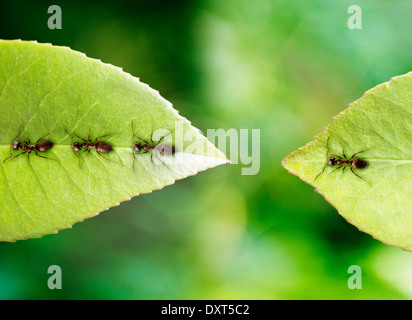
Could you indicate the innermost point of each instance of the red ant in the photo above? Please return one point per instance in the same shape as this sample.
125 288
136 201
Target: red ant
343 162
27 147
156 147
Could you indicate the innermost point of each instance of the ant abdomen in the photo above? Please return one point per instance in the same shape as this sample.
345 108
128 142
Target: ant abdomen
104 147
166 149
359 163
44 145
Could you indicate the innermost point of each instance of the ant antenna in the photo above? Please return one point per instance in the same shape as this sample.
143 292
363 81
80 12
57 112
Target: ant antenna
327 153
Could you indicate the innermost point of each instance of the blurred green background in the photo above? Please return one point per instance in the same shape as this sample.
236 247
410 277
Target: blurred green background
284 67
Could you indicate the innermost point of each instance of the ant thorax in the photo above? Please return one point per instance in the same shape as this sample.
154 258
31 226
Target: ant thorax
26 147
87 145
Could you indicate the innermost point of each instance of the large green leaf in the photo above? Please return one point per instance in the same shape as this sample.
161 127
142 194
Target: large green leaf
379 201
49 89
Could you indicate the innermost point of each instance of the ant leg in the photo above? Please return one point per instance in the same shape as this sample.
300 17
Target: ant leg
134 159
344 167
133 131
11 154
336 169
358 175
320 172
25 141
157 156
160 140
336 156
43 156
154 153
78 156
141 152
360 152
143 140
77 137
18 136
151 156
137 153
14 156
7 157
151 136
70 134
343 151
44 136
71 137
134 156
104 157
327 153
106 135
138 136
327 147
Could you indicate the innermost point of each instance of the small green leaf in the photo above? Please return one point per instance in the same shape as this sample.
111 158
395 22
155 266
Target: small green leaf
49 89
379 201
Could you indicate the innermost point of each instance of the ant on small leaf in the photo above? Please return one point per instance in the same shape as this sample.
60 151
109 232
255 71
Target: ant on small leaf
155 146
88 145
26 146
344 162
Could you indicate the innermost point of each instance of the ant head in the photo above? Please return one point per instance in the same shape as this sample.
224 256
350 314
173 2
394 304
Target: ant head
76 147
166 149
137 146
331 161
15 145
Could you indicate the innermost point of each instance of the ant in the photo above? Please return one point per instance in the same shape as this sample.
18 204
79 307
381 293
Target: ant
140 148
27 147
343 162
87 145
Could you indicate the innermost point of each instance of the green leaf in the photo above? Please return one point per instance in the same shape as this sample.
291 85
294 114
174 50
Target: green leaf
379 202
49 89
